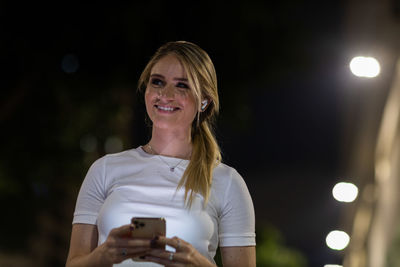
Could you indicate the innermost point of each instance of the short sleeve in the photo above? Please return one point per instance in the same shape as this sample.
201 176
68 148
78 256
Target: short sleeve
91 195
237 221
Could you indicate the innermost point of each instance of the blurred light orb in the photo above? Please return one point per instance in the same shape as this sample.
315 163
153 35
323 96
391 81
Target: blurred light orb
70 63
367 67
333 265
88 143
345 192
113 144
337 240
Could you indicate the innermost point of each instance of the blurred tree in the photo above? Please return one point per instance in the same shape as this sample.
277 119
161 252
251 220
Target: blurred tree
272 252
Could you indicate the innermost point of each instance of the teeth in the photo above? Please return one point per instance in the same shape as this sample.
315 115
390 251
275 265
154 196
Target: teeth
165 108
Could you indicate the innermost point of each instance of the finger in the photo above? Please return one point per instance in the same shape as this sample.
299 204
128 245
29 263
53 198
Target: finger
174 242
122 231
133 242
162 261
164 254
128 252
178 257
134 252
121 254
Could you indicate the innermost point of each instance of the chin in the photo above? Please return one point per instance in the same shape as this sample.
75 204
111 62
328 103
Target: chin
176 124
164 124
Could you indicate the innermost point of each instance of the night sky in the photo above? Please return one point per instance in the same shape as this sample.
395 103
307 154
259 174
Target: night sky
281 70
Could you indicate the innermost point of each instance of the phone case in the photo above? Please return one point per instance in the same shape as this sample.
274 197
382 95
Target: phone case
148 228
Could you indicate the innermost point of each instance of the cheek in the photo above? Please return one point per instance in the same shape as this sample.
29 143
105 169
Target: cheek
192 107
148 99
149 95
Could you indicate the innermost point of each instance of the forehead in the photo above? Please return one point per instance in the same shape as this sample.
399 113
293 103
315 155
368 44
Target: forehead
169 66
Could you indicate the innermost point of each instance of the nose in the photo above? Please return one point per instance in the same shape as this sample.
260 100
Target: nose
168 91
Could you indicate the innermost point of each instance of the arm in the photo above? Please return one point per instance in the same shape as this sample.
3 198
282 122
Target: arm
238 256
237 226
83 242
117 248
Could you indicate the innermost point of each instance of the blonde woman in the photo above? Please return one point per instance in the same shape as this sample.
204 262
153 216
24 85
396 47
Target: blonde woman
177 175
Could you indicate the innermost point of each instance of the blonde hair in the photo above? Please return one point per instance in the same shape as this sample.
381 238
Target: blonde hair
206 154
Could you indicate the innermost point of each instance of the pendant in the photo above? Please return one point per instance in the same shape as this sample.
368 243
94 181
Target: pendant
172 169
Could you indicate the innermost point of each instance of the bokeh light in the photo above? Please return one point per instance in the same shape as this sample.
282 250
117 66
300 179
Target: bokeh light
70 63
367 67
337 240
113 144
345 192
88 143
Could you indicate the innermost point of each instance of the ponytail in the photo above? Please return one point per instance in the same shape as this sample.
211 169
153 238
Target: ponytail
206 155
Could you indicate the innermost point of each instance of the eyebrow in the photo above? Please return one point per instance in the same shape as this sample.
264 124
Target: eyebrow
162 76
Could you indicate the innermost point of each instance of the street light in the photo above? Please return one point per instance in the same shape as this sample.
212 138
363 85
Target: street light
337 240
367 67
345 192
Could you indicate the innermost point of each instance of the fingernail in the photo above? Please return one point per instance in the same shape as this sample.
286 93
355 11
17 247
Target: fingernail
153 242
132 227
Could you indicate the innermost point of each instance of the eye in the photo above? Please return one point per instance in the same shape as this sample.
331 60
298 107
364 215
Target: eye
182 85
157 82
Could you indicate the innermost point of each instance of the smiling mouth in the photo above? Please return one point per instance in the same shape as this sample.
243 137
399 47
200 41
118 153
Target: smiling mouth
169 109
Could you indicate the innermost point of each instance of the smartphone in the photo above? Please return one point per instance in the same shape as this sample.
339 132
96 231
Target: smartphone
148 228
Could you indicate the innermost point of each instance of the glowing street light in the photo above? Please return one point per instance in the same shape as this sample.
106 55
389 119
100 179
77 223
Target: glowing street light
345 192
337 240
367 67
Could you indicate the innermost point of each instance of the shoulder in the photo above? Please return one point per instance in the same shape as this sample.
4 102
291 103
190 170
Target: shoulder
110 167
110 163
230 193
120 157
227 178
126 154
225 173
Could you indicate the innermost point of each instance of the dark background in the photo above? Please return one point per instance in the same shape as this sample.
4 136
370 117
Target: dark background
282 70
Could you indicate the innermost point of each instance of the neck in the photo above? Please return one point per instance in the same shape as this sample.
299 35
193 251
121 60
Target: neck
171 143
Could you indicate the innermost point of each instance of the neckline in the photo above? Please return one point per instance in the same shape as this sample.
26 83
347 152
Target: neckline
144 153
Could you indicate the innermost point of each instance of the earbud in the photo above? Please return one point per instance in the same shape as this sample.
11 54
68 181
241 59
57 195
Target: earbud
204 105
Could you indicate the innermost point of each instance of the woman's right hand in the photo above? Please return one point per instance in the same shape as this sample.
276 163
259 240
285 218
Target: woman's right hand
120 246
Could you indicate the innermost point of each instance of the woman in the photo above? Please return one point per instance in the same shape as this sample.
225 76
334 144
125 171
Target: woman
176 175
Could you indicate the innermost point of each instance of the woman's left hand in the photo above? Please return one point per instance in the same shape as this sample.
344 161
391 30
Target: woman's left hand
185 254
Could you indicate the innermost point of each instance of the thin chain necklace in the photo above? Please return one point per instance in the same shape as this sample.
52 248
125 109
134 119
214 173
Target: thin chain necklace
171 168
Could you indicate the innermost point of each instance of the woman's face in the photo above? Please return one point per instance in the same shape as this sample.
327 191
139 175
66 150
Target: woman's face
170 102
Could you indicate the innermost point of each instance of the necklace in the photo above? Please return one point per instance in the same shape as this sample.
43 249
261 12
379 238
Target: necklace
171 168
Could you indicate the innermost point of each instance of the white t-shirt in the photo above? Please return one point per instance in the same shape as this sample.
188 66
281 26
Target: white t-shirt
134 183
